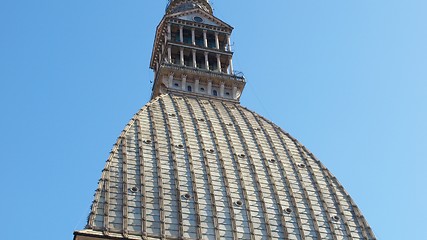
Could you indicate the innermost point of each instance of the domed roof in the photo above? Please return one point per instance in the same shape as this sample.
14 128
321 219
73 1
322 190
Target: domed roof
193 168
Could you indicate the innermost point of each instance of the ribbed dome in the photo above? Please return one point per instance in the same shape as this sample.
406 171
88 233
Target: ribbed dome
192 168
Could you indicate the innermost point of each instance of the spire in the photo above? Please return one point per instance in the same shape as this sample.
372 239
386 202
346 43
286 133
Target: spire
183 5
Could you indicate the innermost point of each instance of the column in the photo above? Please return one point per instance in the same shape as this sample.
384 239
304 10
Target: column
228 43
205 38
169 54
193 37
234 92
194 59
221 90
169 32
196 85
231 70
209 87
184 83
218 62
171 80
216 40
181 34
181 53
207 60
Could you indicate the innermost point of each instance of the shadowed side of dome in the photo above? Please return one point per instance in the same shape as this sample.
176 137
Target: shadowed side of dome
192 168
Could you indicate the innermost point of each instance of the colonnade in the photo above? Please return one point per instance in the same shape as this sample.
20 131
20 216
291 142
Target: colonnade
218 58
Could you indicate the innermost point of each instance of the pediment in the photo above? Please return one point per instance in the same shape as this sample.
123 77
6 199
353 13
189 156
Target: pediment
200 16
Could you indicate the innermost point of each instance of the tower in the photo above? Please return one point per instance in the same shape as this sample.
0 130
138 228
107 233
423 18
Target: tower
192 53
194 164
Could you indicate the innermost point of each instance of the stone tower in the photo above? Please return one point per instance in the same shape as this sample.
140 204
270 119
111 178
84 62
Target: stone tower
194 164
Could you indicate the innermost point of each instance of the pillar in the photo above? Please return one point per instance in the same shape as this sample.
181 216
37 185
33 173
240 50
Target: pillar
196 85
221 89
231 70
218 62
194 59
181 34
234 92
193 37
171 80
207 60
216 40
205 38
169 54
184 83
228 43
209 87
181 53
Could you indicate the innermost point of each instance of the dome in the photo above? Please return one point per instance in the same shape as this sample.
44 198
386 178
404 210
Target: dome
191 168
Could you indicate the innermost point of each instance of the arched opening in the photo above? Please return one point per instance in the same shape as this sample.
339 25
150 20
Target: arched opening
215 92
189 88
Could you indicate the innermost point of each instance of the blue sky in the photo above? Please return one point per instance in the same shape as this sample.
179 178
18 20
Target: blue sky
346 78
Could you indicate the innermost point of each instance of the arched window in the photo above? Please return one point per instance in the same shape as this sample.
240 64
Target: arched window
189 89
215 93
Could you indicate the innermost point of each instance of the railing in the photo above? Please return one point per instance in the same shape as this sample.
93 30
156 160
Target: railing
201 67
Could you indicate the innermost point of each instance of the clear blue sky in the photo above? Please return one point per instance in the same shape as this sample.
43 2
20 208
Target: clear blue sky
346 78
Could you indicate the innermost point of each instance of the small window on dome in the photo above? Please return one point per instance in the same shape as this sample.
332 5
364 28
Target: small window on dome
180 146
